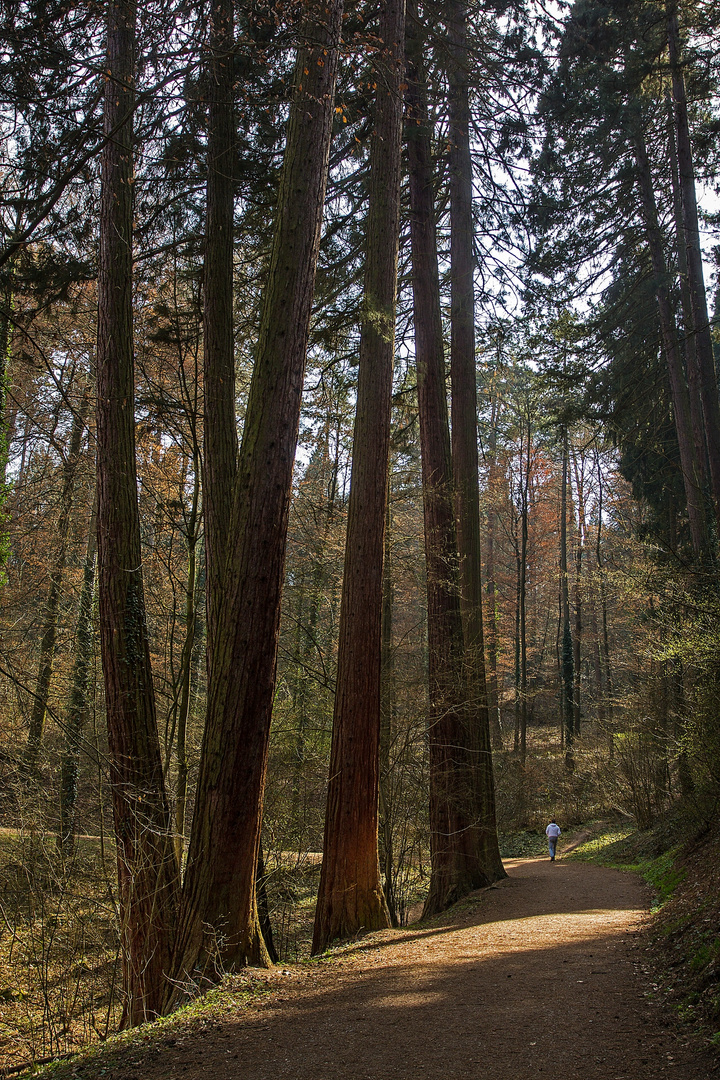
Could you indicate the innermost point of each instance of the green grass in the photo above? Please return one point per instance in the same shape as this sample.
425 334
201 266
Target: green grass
601 848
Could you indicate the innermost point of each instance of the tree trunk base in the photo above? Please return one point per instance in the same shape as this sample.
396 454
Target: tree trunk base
446 888
354 913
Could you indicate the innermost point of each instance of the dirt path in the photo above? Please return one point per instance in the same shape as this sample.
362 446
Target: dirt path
538 977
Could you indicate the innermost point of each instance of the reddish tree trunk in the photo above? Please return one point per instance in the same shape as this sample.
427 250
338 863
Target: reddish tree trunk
605 640
464 428
578 601
491 587
147 868
455 866
350 896
668 330
219 429
703 353
567 665
388 708
522 590
689 342
219 925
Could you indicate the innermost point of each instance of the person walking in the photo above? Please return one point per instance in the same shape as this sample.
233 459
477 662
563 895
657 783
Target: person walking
552 832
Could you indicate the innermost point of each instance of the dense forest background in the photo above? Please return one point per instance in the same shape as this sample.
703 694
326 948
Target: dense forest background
559 169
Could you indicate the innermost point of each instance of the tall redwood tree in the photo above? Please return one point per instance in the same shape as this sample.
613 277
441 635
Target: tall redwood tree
147 868
219 926
690 467
456 868
704 375
350 895
464 430
219 427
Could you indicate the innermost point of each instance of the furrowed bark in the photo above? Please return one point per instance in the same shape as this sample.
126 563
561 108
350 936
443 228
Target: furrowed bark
678 387
147 868
218 926
387 725
219 426
350 896
455 866
689 341
703 354
464 427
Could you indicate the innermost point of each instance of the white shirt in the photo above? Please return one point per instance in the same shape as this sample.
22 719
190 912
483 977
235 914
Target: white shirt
552 829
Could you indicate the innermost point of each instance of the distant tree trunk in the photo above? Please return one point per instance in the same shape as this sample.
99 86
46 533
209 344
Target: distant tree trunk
599 684
659 734
690 344
264 907
558 660
566 648
76 713
24 455
52 603
6 302
387 725
464 428
578 600
605 639
350 895
679 713
183 691
219 428
518 605
304 629
218 925
311 590
491 587
309 600
522 589
678 387
703 353
147 867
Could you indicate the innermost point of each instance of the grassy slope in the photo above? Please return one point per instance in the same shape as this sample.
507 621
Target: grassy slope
681 861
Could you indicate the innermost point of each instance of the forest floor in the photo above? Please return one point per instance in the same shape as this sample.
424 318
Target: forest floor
542 975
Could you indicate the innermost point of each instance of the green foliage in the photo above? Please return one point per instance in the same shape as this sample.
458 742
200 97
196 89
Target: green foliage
523 845
664 876
705 954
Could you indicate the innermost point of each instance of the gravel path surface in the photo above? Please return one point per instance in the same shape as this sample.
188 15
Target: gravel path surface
539 976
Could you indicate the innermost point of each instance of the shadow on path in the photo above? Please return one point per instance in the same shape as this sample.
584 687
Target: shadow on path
534 978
